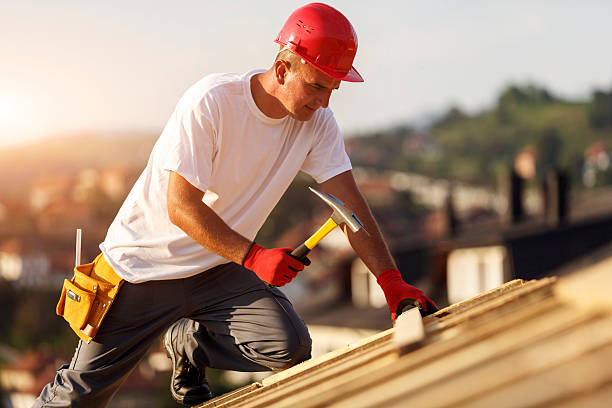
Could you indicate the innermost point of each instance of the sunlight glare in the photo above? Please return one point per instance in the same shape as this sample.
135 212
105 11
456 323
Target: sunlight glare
8 112
13 113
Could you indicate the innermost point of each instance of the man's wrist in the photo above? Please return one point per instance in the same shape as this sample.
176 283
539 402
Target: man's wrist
387 277
248 252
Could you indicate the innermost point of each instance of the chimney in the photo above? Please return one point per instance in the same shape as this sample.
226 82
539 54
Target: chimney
516 211
556 187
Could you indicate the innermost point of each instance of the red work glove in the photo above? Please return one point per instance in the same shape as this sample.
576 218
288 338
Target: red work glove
396 290
274 266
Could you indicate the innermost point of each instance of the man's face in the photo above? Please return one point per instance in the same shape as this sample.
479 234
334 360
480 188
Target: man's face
307 89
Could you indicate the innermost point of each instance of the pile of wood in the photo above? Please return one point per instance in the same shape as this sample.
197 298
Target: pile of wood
533 343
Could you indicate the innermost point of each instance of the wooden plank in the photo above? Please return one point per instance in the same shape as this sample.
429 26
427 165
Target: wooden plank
318 369
544 286
589 289
585 373
600 398
283 396
469 342
304 378
230 396
490 364
356 381
323 374
483 297
300 370
316 363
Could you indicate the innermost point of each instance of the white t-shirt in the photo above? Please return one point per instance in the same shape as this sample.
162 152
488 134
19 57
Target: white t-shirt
219 141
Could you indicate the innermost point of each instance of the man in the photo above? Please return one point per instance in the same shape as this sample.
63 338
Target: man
183 239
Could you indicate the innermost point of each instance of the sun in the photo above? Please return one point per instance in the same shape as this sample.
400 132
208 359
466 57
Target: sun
12 119
9 113
7 109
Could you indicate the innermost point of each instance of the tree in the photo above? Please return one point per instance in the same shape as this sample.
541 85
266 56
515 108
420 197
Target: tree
549 149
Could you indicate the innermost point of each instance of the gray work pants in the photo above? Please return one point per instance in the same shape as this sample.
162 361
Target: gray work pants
238 323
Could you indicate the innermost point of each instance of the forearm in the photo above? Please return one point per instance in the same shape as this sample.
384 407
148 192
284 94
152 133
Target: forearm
187 211
371 246
205 227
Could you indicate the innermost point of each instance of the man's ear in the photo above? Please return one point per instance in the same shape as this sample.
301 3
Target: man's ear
281 68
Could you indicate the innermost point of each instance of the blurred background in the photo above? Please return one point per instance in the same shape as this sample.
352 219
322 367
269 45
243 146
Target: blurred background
481 138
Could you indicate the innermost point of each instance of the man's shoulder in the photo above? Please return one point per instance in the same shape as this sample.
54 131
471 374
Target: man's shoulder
324 115
323 119
216 81
208 91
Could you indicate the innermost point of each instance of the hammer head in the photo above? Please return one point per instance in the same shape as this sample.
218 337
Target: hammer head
342 214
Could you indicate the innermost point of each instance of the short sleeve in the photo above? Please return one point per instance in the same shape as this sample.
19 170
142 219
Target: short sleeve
190 146
327 157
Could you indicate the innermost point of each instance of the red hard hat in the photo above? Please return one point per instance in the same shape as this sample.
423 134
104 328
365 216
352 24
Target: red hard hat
323 37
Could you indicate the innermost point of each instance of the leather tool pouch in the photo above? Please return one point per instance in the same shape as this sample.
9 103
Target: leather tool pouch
87 297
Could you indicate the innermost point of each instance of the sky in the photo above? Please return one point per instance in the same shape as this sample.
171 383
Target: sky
70 66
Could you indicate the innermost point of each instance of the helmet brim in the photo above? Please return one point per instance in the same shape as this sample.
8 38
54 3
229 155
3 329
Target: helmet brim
351 76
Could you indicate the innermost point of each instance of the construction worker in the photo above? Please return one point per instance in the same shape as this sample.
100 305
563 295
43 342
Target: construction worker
182 243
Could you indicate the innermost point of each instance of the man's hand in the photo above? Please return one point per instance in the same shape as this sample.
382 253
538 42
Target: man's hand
274 266
396 290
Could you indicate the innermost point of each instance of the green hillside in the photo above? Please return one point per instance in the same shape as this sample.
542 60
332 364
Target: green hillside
479 148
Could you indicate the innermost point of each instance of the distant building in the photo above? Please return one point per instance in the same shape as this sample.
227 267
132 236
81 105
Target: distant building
116 182
22 263
474 270
48 189
24 378
62 217
85 186
596 161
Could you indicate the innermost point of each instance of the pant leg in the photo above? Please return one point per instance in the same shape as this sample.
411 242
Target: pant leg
139 314
241 324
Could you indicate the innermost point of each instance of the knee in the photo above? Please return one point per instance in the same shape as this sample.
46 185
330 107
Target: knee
291 356
293 350
299 352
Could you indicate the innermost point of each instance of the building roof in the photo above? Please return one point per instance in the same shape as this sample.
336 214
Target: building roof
29 372
20 246
526 343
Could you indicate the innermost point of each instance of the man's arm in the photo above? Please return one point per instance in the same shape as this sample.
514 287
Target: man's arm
371 246
187 211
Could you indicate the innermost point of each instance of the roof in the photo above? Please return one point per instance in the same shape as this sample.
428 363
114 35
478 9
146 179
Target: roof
526 343
29 372
20 246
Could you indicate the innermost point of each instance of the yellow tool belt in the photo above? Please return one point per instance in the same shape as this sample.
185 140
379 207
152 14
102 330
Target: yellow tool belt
87 297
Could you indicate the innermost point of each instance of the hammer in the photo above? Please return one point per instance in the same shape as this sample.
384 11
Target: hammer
341 215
